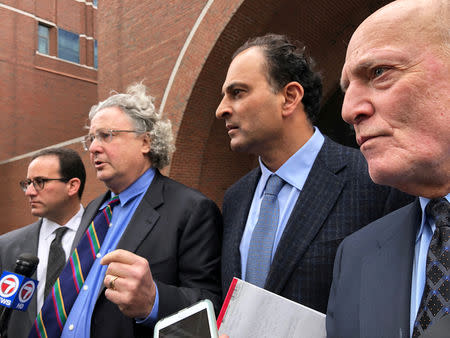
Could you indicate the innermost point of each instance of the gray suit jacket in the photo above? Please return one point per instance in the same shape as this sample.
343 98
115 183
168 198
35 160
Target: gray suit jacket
371 291
12 244
337 199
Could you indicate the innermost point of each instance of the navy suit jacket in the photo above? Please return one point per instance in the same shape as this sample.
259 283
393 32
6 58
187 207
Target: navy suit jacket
371 291
337 199
177 229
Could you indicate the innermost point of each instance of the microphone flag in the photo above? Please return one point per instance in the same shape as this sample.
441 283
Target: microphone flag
16 291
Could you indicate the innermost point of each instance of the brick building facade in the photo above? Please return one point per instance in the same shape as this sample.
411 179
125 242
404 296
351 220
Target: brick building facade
180 50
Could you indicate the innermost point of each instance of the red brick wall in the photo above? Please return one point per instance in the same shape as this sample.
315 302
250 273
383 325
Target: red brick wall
44 100
141 40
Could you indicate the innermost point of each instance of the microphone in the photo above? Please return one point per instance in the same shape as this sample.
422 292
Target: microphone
17 289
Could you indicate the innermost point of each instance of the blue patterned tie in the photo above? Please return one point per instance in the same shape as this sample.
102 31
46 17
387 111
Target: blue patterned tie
50 321
261 244
436 295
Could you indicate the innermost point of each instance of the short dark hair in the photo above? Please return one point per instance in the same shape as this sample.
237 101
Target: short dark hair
70 164
287 61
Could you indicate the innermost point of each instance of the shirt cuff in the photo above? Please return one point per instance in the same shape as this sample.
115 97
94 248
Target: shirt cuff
152 318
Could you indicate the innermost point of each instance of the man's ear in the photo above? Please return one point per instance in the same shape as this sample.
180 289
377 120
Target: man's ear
293 95
146 143
73 186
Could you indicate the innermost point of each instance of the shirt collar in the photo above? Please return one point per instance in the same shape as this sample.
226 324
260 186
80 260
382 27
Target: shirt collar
48 227
136 188
423 203
296 169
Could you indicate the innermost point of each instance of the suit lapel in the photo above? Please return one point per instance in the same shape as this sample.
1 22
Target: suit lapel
386 278
318 196
145 216
32 241
240 208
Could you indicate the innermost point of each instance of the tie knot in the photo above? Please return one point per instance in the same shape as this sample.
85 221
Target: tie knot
59 233
274 185
439 210
114 201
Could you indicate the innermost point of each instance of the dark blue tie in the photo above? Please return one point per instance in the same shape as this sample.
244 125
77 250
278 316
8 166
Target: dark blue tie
261 243
435 302
50 321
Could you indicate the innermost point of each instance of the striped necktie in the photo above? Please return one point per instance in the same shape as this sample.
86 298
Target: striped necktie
53 315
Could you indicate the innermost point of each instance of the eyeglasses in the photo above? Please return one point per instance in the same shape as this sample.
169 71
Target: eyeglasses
104 136
39 182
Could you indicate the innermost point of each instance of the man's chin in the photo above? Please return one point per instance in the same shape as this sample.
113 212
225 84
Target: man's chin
238 147
103 176
37 213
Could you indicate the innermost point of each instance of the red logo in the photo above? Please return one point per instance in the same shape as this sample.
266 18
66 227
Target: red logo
8 285
26 291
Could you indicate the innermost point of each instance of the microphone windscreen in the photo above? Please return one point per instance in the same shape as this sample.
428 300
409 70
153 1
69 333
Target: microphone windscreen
26 264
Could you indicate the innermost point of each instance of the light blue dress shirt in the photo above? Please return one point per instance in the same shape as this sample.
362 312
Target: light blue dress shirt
294 172
423 240
79 321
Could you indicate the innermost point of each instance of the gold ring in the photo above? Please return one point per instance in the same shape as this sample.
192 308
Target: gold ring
112 281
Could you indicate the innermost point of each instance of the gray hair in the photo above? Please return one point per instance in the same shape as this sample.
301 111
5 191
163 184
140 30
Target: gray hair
140 109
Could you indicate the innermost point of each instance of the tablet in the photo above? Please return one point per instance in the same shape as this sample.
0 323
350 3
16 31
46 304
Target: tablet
197 321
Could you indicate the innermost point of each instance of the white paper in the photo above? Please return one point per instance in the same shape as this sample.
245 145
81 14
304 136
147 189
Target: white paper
255 312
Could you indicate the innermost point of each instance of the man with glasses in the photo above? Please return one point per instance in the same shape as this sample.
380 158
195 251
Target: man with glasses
54 186
161 250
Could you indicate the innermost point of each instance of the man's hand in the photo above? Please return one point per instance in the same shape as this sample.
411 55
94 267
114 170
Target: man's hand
129 283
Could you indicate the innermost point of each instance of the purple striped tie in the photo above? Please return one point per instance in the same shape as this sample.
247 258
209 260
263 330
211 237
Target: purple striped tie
50 321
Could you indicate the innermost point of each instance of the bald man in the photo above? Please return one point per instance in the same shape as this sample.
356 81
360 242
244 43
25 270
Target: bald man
391 279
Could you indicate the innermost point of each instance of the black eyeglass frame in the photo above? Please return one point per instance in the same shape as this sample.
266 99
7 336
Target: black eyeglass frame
39 182
104 136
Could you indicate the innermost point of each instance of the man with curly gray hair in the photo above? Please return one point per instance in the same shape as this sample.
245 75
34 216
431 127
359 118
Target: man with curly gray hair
161 251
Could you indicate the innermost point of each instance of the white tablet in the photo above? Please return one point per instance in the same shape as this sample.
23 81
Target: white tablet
197 321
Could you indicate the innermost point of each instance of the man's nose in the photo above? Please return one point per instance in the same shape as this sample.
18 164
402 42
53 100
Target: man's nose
357 104
223 109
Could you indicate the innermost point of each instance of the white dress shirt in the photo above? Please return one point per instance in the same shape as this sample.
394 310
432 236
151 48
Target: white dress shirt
46 236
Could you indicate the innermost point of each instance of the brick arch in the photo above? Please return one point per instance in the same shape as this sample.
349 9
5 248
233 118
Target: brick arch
203 159
201 141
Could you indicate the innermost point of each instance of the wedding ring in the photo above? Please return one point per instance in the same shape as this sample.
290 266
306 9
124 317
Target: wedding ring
112 281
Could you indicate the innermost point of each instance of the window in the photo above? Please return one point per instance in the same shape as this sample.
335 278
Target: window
43 39
94 3
68 46
95 54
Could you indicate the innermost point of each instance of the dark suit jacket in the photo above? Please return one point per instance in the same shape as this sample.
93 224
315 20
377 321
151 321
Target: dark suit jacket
337 199
12 244
177 229
371 291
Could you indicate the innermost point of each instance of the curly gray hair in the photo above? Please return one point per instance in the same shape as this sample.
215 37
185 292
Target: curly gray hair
141 110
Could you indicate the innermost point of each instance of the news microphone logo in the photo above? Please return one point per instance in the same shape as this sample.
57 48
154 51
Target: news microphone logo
16 290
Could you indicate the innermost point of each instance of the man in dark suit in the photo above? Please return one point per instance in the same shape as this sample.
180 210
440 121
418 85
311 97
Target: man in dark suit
271 99
391 279
161 252
54 186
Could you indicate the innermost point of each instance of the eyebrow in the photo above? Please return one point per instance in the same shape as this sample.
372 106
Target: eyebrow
360 68
232 86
